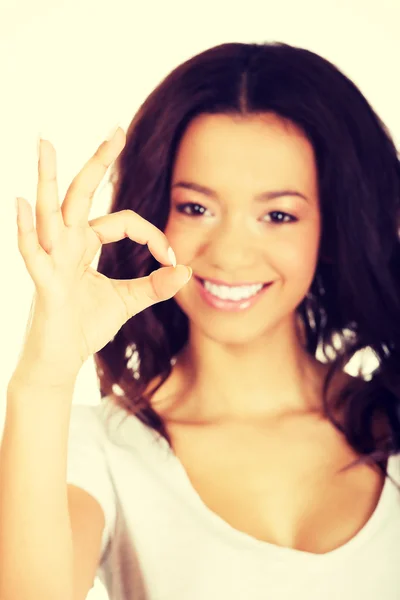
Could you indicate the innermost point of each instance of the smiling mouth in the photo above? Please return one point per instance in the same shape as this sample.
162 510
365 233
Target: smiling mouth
232 294
231 285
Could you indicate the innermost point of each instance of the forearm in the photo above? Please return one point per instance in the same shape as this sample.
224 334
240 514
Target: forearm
36 552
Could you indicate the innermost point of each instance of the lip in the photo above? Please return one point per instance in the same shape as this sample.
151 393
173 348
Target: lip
229 305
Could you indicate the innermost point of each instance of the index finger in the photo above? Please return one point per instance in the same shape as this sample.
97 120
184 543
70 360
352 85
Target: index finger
77 203
128 224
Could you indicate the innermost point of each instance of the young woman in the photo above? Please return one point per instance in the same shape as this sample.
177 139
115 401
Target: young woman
226 459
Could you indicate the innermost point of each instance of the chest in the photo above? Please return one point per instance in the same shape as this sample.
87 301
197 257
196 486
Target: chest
280 486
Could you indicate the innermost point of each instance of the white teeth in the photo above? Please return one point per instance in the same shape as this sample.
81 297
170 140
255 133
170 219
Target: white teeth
232 293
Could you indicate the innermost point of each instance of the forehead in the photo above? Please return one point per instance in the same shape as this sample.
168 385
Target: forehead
253 152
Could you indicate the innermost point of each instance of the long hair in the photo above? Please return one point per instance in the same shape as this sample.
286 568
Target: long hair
354 300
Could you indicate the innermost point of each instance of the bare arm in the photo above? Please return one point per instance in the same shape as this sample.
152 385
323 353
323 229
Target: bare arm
76 313
36 546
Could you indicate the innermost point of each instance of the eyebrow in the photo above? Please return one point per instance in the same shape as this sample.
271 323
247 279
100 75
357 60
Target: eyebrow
189 185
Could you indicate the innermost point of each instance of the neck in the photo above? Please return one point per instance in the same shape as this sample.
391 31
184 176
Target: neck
269 377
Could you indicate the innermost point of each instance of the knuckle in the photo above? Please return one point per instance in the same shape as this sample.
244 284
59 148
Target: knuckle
46 179
130 301
79 186
98 159
153 292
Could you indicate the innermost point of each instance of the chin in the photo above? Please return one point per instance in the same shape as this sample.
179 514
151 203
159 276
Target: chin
242 337
235 327
229 329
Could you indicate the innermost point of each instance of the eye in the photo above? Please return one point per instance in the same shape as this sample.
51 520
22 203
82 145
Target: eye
281 220
191 209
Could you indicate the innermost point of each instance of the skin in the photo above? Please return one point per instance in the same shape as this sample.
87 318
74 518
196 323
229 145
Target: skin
251 364
244 389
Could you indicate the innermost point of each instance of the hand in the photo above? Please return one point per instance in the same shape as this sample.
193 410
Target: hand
77 310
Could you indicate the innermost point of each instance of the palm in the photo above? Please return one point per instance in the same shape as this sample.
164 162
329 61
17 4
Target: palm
100 302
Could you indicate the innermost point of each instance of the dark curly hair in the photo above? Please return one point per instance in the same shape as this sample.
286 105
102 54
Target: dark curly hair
354 300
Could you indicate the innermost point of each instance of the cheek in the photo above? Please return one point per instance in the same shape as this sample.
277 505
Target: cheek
296 258
185 245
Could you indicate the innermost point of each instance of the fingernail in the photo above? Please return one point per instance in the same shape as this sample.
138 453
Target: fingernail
41 136
171 256
112 132
190 272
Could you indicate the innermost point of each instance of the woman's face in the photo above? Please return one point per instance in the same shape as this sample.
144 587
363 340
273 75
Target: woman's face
221 225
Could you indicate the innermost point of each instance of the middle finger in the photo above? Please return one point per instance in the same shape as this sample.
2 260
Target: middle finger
77 203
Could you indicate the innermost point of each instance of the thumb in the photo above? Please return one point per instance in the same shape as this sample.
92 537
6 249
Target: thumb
162 284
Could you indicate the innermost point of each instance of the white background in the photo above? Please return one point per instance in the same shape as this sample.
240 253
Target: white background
73 69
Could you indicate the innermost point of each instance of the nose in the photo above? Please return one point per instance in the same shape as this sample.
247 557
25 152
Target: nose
232 247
